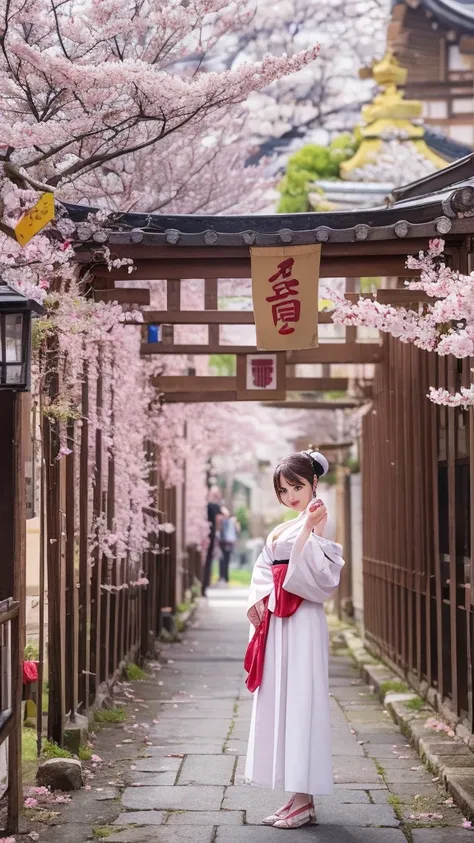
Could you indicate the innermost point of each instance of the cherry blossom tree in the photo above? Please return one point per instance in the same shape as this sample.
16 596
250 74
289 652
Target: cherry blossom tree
445 326
108 102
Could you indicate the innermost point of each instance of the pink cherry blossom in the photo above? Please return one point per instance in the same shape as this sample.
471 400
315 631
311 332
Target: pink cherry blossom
445 326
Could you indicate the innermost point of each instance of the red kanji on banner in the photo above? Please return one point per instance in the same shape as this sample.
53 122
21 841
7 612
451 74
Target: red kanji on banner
284 270
262 372
288 311
283 289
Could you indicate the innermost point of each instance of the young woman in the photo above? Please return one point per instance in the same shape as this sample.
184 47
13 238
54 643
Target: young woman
287 658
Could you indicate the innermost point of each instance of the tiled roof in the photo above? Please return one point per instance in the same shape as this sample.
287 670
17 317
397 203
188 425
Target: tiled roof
448 148
432 206
457 14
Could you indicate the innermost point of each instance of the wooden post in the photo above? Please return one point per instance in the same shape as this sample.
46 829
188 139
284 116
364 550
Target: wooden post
13 579
84 581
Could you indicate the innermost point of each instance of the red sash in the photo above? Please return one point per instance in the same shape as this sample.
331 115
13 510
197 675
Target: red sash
286 605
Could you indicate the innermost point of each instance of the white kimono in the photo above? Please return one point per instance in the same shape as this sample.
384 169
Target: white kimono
290 732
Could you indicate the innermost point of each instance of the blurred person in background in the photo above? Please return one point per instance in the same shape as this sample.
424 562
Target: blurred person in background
214 517
229 531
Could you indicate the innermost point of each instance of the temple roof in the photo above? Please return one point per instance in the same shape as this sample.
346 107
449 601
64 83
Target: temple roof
433 206
458 14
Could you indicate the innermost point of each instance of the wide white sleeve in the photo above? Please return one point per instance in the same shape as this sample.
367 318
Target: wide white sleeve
260 587
314 568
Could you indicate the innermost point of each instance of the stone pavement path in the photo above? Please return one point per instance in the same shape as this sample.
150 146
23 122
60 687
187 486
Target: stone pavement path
186 782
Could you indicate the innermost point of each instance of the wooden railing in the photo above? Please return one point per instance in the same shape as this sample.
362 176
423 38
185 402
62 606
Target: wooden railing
10 705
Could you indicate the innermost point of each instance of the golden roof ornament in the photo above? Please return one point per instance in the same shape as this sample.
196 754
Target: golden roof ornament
389 117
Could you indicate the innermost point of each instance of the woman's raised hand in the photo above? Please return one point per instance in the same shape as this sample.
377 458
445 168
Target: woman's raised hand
316 516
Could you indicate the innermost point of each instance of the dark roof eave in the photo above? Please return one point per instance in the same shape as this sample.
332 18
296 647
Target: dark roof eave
459 171
428 216
449 13
452 15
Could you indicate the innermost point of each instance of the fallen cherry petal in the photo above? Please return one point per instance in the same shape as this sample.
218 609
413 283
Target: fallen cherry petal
174 755
467 824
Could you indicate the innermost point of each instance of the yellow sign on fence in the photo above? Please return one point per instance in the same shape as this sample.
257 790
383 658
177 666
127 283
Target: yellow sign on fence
285 285
35 219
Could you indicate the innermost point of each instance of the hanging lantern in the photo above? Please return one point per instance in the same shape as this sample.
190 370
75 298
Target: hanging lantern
16 312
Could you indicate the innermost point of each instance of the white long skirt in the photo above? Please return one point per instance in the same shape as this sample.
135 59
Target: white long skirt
290 732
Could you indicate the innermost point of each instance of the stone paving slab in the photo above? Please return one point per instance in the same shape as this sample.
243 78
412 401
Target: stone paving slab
380 797
173 798
72 833
206 818
357 815
195 748
344 815
141 818
203 711
158 764
135 778
407 776
214 729
441 835
163 834
383 738
347 769
321 834
207 769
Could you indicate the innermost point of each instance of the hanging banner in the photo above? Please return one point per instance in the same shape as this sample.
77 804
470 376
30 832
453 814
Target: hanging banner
285 286
35 219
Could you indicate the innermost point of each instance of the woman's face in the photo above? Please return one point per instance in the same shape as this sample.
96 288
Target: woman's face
296 497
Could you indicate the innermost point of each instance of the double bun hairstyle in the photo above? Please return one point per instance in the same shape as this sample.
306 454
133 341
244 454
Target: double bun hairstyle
305 464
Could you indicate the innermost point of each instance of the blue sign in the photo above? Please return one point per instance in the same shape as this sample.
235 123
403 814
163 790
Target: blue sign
154 333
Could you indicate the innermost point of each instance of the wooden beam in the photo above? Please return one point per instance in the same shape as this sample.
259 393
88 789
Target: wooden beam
209 317
124 295
338 353
404 297
231 395
215 383
155 251
200 397
314 405
338 267
325 353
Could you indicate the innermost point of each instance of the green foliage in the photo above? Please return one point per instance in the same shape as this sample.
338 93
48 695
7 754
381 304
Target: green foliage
353 464
52 750
223 364
135 673
240 577
310 163
85 753
112 715
416 704
242 515
335 394
31 652
101 832
393 686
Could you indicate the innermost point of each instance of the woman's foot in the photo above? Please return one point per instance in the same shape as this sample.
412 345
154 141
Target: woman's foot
298 817
278 815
